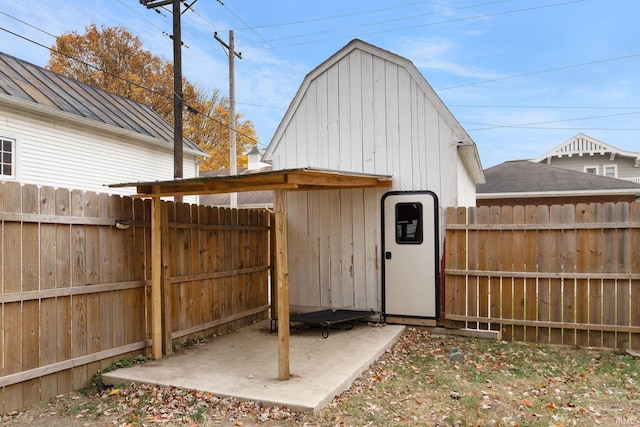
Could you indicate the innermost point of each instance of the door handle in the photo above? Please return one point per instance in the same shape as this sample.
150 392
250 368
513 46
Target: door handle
387 255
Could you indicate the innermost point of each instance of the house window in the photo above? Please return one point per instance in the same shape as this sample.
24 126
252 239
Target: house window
7 157
409 223
591 169
610 171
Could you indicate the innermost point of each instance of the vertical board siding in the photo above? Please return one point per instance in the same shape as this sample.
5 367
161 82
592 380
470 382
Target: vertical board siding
370 113
547 274
334 253
58 244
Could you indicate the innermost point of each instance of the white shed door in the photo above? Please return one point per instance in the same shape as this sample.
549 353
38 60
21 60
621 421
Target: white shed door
410 254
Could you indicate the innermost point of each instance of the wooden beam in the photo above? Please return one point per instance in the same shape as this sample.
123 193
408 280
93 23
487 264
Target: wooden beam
308 179
336 180
168 190
156 277
282 283
165 284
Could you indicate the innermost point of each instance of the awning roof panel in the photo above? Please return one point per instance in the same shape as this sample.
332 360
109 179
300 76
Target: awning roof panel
288 179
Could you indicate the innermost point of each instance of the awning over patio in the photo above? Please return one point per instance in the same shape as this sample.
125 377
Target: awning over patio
287 179
303 179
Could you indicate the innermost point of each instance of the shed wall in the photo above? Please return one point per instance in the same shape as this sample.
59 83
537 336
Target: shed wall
365 114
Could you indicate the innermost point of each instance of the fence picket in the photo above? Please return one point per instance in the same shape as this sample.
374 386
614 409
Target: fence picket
609 285
30 282
48 331
634 266
568 274
594 265
506 264
531 264
582 264
63 280
544 260
483 263
456 249
555 285
622 265
12 312
44 326
518 261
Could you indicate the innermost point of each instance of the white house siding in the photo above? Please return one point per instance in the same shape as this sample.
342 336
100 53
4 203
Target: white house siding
54 152
626 168
363 113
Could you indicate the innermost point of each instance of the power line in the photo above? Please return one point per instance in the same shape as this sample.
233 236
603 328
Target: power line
548 107
369 24
326 18
548 70
162 95
413 26
524 125
556 128
241 20
28 24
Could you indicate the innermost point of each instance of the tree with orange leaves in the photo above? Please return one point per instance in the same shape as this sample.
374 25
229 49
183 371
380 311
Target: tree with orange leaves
113 59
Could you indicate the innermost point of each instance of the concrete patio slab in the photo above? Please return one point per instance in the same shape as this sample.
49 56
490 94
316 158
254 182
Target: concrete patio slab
244 364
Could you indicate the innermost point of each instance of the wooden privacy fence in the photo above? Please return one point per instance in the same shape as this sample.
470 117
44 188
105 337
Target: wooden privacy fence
549 274
75 289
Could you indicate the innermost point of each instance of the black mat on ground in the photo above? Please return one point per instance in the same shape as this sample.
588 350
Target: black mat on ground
333 318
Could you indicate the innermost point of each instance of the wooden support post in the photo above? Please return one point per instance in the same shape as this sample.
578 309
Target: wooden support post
165 283
282 283
156 276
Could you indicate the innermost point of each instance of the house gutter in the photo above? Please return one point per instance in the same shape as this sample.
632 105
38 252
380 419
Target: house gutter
471 159
104 127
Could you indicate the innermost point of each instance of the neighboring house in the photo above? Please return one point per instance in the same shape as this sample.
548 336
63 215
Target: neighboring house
245 200
524 182
370 111
56 131
585 154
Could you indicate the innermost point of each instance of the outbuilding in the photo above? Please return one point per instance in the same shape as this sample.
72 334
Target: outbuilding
367 110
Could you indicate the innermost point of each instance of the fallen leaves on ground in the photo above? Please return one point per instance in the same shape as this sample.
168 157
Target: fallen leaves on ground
415 382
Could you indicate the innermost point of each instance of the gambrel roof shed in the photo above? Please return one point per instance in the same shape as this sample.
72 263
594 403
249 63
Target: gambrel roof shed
363 110
366 109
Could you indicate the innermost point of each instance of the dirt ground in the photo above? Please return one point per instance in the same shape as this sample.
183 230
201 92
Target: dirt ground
424 379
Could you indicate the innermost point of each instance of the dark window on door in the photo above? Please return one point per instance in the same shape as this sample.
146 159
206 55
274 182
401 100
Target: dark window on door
409 223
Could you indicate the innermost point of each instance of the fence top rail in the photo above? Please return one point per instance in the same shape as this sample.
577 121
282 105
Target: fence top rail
556 226
543 274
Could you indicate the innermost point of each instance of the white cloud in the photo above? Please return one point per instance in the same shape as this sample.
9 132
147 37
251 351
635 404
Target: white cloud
439 54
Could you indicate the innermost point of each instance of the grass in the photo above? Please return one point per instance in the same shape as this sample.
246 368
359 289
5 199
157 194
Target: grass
415 383
499 383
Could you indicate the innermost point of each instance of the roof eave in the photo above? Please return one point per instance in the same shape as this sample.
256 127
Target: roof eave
471 159
535 194
75 119
288 179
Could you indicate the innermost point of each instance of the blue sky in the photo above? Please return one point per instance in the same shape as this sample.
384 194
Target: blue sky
521 76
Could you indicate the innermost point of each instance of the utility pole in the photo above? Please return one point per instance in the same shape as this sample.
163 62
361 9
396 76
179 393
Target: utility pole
177 83
233 163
